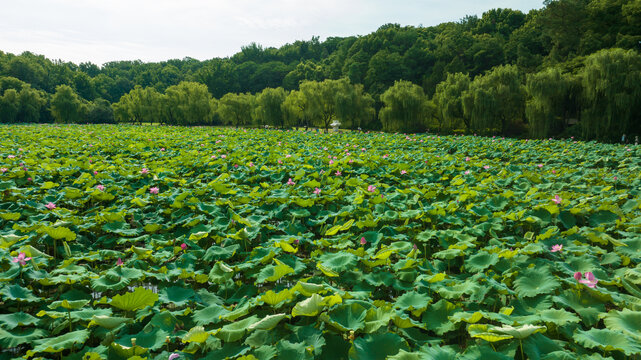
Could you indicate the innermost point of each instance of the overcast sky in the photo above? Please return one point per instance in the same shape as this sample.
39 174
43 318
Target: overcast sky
154 30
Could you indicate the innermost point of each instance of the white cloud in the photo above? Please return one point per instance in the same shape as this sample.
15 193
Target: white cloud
155 30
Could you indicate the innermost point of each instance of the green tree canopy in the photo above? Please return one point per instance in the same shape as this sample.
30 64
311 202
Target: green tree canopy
405 108
66 107
269 110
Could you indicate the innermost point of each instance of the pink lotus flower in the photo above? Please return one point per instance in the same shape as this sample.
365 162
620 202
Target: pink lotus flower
100 187
50 206
467 158
11 156
144 171
223 156
95 172
212 157
21 259
296 242
385 156
183 246
154 190
363 241
540 165
615 178
251 164
553 171
3 170
162 149
29 179
414 247
317 191
290 182
280 161
119 262
331 162
236 165
589 280
556 248
173 356
557 199
467 172
486 167
371 188
338 173
403 172
288 156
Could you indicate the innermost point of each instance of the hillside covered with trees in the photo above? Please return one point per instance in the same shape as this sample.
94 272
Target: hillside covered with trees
572 68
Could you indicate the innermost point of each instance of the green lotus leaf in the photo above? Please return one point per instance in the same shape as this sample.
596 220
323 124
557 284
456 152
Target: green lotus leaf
115 279
436 318
535 281
413 301
558 317
626 321
220 273
608 340
377 346
519 332
196 334
136 300
348 317
11 321
311 306
289 350
236 331
273 273
176 295
339 262
59 233
108 322
69 305
437 353
60 343
405 355
11 339
481 261
377 318
268 322
19 293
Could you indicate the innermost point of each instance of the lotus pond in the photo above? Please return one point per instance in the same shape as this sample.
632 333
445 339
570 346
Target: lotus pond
182 243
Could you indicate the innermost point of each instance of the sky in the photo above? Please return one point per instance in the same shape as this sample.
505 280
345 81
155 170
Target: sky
100 31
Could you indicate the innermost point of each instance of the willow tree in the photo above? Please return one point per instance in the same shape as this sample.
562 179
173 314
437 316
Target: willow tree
551 99
269 108
321 100
611 82
449 101
495 101
66 106
236 109
405 108
354 107
188 103
139 105
295 111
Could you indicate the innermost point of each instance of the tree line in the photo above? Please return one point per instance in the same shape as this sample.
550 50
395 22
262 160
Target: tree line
570 68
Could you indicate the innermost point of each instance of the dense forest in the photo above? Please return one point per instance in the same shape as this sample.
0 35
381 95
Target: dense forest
572 68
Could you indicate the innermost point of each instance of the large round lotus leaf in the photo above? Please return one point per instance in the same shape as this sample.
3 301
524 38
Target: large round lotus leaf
13 338
11 321
535 281
519 332
480 261
60 343
608 340
339 262
268 322
347 317
436 318
309 307
558 317
405 355
626 321
177 296
377 346
294 351
138 299
437 353
17 292
483 351
236 330
109 322
115 279
412 301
